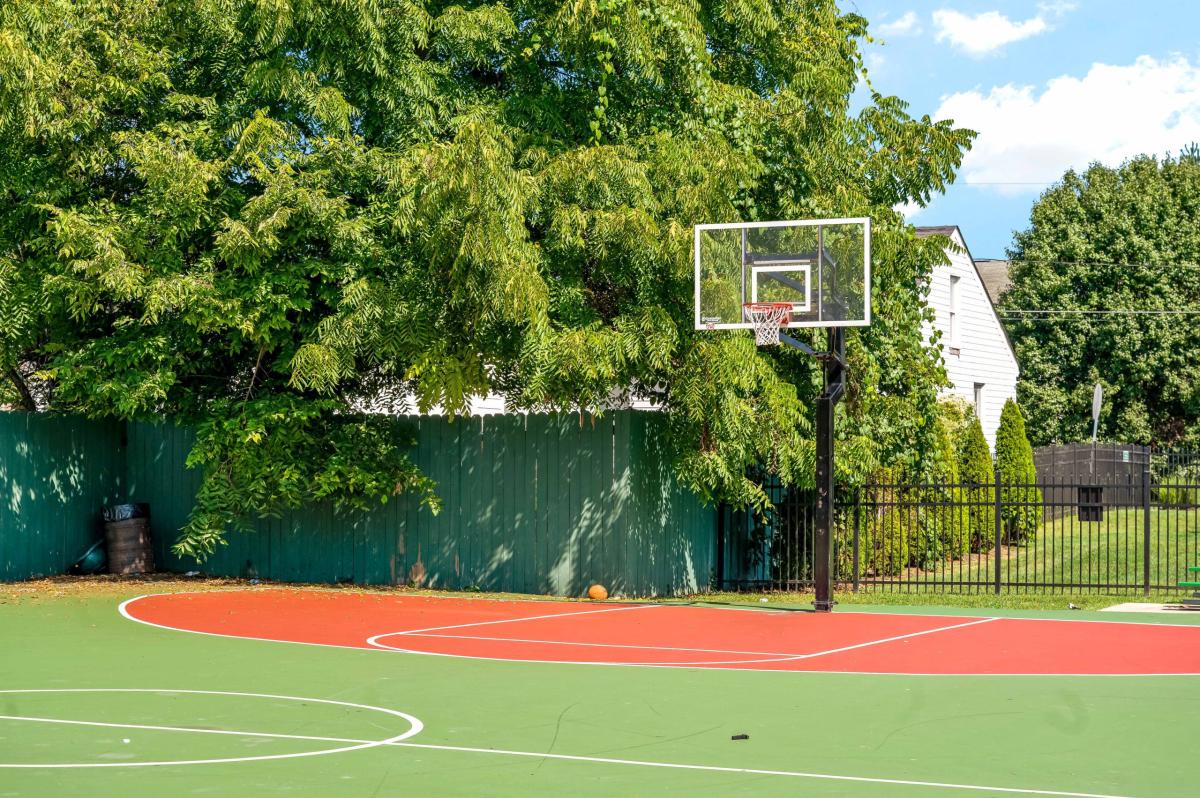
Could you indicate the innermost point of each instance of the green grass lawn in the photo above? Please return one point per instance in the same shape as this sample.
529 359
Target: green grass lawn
1105 556
1007 601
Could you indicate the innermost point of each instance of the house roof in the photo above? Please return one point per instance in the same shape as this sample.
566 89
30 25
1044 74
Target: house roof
949 230
994 274
938 230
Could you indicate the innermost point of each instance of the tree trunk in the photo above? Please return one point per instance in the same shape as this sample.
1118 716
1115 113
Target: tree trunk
27 401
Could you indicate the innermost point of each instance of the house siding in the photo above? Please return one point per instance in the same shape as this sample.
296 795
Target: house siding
984 353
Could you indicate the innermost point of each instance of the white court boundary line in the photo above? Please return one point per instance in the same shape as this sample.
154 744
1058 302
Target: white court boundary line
597 645
123 609
415 727
374 641
550 616
355 744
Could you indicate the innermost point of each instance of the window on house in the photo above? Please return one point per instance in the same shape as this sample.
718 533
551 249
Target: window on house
953 331
979 399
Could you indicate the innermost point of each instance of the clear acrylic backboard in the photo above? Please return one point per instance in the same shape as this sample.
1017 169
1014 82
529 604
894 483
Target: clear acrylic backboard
822 267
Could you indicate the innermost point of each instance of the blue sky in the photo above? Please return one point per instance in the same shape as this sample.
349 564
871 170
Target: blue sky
1048 85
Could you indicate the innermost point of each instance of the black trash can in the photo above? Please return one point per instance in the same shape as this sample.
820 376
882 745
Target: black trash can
127 535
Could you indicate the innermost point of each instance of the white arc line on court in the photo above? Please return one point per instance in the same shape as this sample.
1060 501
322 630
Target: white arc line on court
540 755
517 620
191 729
415 727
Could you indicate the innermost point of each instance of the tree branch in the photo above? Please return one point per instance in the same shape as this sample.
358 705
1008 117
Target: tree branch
254 374
27 400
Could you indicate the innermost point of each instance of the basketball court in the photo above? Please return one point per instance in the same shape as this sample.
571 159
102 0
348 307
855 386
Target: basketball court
320 692
305 692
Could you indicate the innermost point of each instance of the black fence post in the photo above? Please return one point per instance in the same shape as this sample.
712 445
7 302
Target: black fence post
996 549
1146 530
857 527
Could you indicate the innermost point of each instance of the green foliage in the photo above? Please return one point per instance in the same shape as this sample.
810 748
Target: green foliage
977 475
354 462
1177 496
1022 512
909 525
956 415
1125 238
1175 485
229 213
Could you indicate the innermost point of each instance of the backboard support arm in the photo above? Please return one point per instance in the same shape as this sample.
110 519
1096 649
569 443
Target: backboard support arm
794 343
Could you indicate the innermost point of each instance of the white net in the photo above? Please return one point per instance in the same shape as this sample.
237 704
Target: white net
768 319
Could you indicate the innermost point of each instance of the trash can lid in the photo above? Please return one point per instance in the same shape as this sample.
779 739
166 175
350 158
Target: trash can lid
124 512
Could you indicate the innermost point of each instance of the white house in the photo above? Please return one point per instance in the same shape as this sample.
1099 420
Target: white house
978 356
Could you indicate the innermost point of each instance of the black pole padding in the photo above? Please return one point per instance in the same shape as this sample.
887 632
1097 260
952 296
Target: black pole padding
835 383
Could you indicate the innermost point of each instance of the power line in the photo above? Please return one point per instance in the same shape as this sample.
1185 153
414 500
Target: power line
1098 263
1007 312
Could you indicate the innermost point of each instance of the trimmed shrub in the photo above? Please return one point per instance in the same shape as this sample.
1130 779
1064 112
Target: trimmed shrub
940 535
1021 502
1178 488
886 527
975 473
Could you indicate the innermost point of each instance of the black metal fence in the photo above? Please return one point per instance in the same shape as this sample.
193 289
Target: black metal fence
1051 535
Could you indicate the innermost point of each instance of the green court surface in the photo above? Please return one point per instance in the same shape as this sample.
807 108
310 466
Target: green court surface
82 686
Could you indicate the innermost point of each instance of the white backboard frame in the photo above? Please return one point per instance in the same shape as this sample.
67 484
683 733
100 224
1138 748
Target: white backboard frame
785 267
700 324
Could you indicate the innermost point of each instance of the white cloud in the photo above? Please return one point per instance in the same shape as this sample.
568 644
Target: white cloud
906 25
909 210
1057 7
989 31
1108 115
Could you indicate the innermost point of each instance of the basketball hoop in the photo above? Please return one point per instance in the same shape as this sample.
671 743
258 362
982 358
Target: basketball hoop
768 319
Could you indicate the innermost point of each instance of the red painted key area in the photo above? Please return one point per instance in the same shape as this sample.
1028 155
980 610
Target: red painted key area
680 636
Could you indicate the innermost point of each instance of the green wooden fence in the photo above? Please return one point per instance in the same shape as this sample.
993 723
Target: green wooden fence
539 504
55 475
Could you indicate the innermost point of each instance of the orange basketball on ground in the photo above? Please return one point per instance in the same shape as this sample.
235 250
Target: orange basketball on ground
597 592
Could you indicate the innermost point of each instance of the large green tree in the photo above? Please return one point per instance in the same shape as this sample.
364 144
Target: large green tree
1122 244
254 217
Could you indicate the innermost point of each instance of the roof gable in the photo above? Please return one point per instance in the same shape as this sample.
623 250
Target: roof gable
954 233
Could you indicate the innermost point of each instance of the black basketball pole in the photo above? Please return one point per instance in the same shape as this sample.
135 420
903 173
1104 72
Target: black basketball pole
834 366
